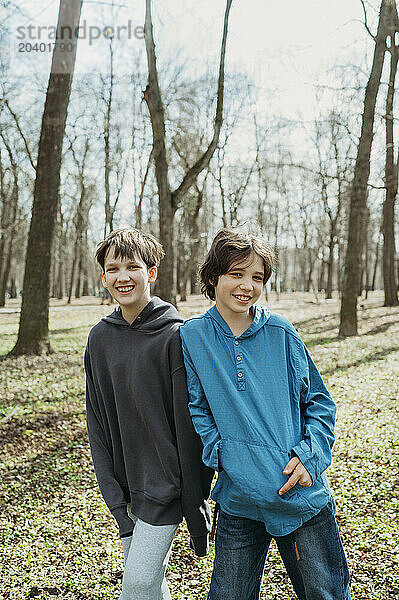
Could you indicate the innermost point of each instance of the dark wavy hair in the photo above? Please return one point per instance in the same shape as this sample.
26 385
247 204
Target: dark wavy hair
228 248
131 243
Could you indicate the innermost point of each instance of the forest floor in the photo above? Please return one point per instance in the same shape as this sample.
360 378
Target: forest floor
59 540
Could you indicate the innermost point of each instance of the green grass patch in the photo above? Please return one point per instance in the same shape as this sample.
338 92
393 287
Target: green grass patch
58 539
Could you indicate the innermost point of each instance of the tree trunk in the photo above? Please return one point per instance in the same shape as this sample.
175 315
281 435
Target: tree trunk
330 265
168 201
8 222
9 245
3 220
321 284
139 206
85 269
194 283
78 285
363 243
60 279
309 280
195 236
33 327
377 253
13 288
152 97
340 267
391 183
358 198
61 257
108 226
180 250
366 258
73 270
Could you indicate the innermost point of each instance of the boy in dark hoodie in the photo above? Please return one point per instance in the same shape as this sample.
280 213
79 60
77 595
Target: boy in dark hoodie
146 454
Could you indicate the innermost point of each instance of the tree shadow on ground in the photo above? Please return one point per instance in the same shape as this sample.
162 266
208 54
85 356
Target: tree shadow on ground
40 471
315 320
14 430
326 340
68 330
380 328
373 357
321 341
318 323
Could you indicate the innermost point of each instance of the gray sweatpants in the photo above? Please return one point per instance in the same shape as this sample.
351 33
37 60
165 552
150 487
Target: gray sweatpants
146 555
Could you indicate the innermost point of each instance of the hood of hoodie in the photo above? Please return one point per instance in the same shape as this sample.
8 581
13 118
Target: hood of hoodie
154 316
260 314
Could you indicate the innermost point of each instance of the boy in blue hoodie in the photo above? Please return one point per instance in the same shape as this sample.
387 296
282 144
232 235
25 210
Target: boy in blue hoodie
266 421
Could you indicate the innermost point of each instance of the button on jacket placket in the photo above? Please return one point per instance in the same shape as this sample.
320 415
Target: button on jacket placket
239 365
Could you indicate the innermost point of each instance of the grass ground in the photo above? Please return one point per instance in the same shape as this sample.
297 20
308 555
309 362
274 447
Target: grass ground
58 539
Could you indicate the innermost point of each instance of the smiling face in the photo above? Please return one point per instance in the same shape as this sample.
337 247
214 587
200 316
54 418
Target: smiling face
238 289
128 281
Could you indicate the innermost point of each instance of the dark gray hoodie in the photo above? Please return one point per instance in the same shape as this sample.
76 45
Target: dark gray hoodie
144 447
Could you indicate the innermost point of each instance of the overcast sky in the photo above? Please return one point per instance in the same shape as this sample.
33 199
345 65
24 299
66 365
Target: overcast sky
288 46
284 48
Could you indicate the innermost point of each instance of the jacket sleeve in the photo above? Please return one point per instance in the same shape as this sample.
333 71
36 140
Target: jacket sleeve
318 412
201 414
196 478
102 456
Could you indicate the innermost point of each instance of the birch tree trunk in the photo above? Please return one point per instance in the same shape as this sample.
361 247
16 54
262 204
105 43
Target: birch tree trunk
33 326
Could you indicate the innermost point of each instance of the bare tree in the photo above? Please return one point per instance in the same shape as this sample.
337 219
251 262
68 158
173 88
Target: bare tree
332 173
116 163
33 327
15 179
81 219
391 183
169 200
9 201
358 198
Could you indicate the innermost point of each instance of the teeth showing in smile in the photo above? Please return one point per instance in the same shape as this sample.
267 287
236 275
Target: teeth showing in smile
243 298
125 289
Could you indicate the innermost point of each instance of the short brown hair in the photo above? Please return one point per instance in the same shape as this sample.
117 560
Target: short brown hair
131 243
229 247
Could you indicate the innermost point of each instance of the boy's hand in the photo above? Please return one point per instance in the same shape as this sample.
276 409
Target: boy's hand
299 475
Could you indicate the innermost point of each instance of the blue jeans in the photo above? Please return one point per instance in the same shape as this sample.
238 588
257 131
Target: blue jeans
313 556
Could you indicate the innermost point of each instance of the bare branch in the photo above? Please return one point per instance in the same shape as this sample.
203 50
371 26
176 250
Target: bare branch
14 116
376 187
203 161
143 184
365 23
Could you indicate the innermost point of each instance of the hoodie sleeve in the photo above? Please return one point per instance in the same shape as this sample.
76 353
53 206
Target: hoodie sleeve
201 414
318 410
196 478
102 456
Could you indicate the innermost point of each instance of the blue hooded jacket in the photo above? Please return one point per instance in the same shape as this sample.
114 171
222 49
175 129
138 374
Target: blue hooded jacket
257 400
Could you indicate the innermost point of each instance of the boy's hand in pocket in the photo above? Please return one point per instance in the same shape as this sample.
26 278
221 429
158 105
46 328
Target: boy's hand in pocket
298 475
